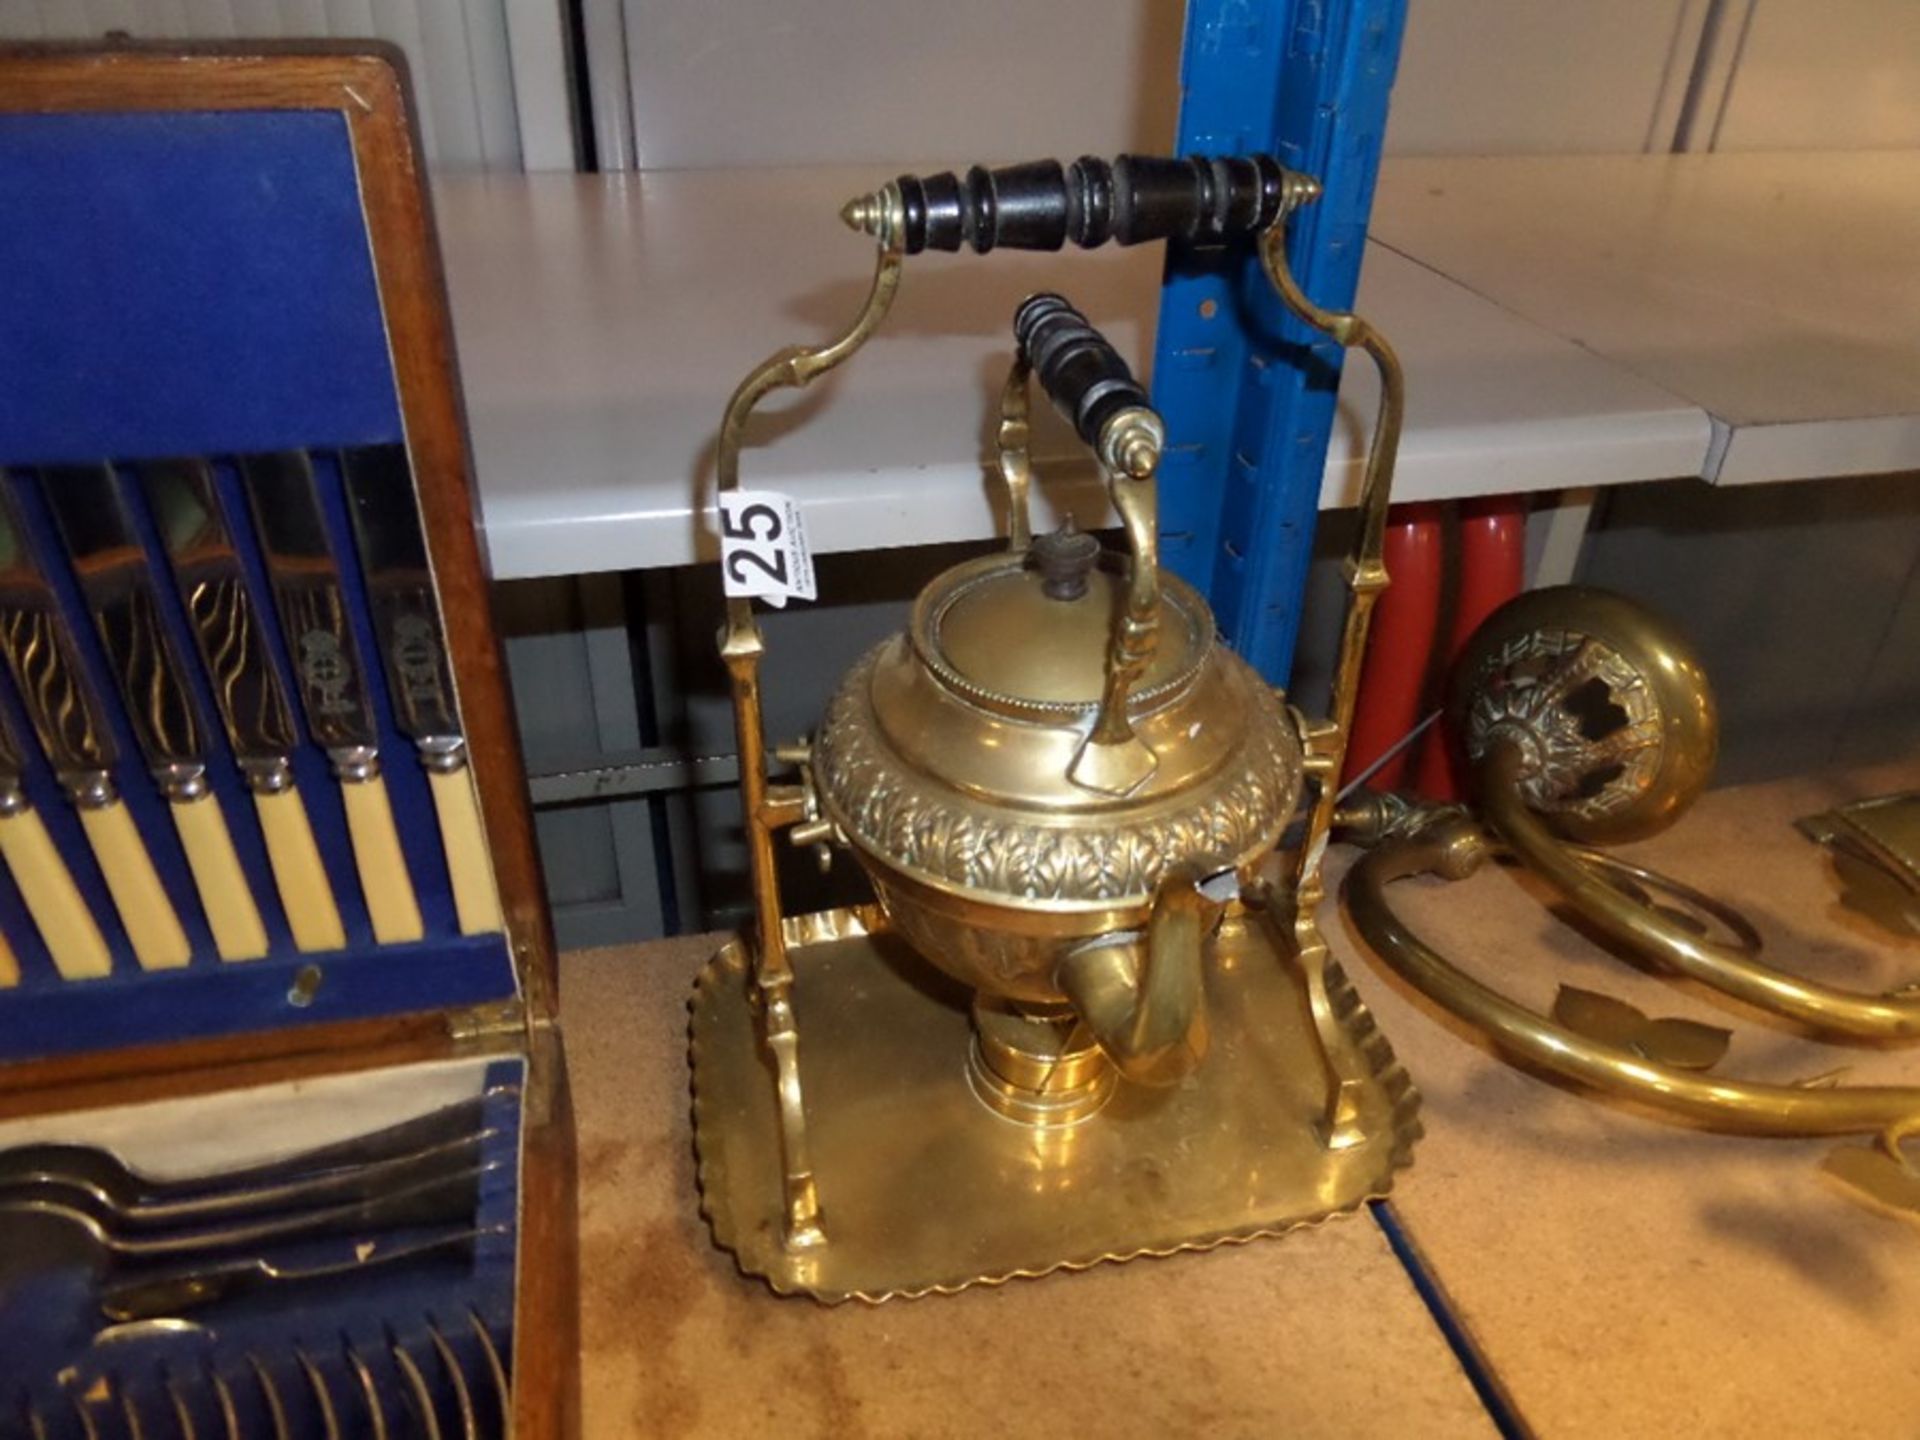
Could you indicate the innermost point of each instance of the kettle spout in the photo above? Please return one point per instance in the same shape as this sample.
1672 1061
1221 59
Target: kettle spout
1141 994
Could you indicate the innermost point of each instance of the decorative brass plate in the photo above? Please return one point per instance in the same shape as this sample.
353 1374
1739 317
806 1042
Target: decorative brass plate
923 1189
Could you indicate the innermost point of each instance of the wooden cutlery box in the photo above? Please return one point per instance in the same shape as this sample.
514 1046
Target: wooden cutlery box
269 883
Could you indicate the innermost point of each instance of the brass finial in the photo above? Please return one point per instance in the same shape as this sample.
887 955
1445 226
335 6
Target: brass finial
863 213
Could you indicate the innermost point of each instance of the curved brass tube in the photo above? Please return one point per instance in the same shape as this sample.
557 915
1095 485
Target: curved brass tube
1142 998
1454 847
1822 1008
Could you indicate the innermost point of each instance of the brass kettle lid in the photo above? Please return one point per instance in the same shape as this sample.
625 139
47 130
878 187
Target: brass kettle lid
1027 632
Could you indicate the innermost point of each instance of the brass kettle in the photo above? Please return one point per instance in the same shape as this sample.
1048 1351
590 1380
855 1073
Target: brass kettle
1055 778
1057 783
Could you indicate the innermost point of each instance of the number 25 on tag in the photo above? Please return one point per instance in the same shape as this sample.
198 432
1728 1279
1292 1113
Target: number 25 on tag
763 547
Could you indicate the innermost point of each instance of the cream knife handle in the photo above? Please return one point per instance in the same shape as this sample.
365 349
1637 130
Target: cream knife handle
383 868
158 941
225 895
476 900
65 923
305 892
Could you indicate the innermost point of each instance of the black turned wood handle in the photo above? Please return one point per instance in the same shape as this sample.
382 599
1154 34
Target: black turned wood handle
1082 373
1134 199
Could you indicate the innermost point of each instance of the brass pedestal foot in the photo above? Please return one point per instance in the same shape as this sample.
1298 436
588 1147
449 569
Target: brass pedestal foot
1037 1066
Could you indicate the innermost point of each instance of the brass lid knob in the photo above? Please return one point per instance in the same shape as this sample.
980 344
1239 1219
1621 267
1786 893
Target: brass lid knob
1065 558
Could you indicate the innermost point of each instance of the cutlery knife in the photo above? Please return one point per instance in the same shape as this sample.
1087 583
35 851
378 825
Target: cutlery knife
112 570
65 923
246 688
413 645
333 691
170 1293
66 716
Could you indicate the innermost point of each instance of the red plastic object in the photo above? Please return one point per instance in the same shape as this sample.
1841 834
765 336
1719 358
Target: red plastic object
1401 644
1493 560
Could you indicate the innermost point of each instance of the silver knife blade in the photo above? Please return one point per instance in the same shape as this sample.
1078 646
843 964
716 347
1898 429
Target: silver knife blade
306 590
59 703
112 570
226 625
406 614
12 766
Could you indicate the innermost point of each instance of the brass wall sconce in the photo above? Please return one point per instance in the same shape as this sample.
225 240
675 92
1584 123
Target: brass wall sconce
1589 722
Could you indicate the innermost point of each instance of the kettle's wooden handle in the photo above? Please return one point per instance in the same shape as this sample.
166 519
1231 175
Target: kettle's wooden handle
1081 371
1131 200
1092 386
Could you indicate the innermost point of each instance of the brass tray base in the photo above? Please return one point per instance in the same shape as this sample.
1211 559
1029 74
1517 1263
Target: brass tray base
923 1189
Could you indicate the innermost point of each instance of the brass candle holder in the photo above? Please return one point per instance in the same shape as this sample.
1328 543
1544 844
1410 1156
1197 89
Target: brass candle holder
1090 1015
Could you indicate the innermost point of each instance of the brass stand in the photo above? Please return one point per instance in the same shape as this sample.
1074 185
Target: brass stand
913 1150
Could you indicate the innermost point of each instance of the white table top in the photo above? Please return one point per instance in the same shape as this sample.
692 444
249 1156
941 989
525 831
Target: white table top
1780 292
602 321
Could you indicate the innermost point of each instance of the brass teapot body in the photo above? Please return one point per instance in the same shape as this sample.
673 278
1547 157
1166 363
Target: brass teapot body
946 767
1055 769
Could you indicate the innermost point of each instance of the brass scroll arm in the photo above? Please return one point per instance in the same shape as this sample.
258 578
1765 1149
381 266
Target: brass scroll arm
1366 571
1453 847
768 809
1825 1010
1589 719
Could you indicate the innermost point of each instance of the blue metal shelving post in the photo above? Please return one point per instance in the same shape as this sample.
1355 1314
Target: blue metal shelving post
1247 392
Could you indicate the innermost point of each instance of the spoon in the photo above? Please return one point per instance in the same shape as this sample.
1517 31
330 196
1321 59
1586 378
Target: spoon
364 1182
101 1172
38 1236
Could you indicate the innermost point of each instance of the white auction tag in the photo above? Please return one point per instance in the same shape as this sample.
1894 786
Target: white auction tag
763 547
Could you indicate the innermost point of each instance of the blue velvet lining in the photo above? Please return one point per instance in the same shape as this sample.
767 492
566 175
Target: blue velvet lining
49 1325
185 282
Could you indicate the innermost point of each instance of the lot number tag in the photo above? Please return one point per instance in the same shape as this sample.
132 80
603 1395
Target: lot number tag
763 547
